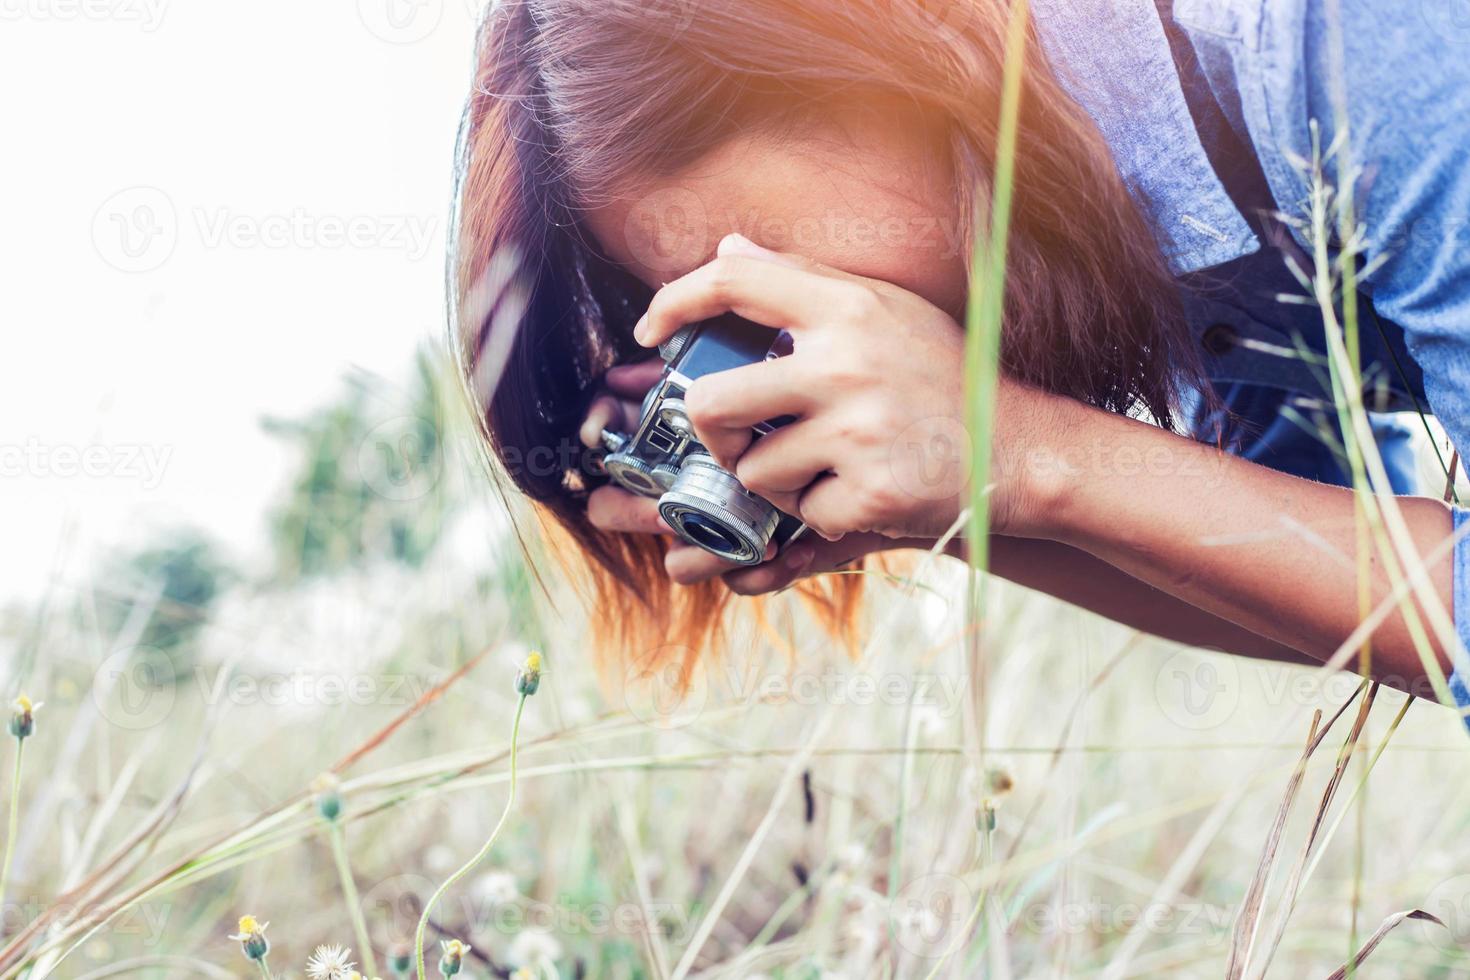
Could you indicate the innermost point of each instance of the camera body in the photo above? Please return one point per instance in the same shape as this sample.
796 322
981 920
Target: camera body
704 504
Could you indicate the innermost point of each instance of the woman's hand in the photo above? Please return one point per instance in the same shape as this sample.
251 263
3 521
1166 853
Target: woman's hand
613 509
876 384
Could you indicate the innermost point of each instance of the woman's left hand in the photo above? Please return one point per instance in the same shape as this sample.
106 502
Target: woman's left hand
875 383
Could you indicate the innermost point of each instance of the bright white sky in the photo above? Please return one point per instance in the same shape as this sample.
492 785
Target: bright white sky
178 179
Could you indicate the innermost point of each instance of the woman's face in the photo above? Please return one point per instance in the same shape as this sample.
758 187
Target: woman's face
870 190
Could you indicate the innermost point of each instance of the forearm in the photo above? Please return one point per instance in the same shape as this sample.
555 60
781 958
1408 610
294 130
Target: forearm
1274 554
1089 582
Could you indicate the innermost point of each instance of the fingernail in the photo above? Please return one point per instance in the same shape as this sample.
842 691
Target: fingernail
736 242
639 329
798 557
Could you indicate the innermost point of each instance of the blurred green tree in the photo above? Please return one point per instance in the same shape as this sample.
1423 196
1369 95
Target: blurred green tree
174 583
371 483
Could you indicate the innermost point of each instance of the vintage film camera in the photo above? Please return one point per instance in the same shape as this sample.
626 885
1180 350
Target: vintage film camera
703 503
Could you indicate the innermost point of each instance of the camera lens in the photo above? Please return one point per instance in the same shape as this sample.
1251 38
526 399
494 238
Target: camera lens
708 534
709 508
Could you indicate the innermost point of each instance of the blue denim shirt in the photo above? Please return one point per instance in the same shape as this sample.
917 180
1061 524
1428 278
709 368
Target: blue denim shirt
1207 106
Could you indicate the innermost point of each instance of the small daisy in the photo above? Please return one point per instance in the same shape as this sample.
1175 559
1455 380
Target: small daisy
453 959
528 678
330 963
250 934
22 717
533 948
497 887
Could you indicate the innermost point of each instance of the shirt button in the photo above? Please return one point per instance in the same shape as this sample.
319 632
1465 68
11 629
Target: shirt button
1219 339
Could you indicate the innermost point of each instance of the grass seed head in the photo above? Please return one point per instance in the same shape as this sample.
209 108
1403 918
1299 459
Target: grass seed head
528 678
453 959
400 959
23 717
985 818
327 791
250 934
999 782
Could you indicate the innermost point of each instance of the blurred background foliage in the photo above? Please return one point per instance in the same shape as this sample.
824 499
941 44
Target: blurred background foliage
192 697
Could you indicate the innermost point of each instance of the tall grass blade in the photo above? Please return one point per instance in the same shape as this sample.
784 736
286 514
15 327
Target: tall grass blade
1389 925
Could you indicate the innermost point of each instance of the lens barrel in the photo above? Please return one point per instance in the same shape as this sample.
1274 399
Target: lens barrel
709 508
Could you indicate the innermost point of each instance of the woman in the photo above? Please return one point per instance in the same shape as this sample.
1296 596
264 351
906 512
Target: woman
810 166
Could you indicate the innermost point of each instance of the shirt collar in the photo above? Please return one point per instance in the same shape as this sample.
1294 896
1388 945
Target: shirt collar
1113 58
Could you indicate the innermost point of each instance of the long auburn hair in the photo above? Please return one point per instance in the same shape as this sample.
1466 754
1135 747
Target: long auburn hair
573 99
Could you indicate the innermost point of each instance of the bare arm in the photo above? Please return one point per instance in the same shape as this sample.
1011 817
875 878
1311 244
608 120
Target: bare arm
1087 581
1270 553
1066 573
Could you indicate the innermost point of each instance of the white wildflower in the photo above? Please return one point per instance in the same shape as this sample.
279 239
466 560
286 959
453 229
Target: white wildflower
330 963
533 947
497 888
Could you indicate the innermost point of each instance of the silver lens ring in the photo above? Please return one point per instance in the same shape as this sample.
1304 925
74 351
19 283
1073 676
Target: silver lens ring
632 473
709 508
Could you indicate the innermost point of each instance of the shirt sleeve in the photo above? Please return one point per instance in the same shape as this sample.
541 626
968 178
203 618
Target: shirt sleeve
1408 99
1458 678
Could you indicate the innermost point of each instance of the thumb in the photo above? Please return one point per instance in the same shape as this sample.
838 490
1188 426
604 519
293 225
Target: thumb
808 556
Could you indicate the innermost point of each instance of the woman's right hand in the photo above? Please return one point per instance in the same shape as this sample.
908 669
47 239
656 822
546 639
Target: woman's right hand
616 510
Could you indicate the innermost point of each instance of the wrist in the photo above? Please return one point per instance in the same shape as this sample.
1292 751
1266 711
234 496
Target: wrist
1039 466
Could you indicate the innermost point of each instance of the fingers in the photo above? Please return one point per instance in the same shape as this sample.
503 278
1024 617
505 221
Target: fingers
808 556
779 466
628 383
831 510
606 412
771 293
724 406
687 565
790 565
737 244
634 380
617 510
